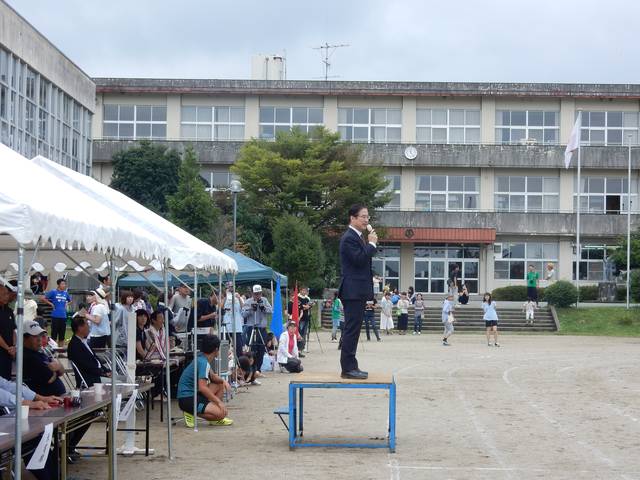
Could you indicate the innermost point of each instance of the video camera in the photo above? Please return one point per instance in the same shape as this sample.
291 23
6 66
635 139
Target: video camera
258 304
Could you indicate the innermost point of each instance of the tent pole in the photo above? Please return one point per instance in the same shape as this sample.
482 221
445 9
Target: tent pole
195 349
272 296
167 367
19 346
220 304
233 316
114 414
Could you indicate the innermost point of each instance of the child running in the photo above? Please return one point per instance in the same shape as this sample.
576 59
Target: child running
447 319
490 319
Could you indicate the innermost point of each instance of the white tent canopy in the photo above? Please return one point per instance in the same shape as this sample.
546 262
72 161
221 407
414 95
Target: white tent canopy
78 223
184 250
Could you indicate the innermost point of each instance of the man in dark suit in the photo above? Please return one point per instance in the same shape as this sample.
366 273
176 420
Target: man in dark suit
81 354
356 285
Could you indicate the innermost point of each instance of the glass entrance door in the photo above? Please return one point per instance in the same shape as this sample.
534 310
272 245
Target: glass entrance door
434 264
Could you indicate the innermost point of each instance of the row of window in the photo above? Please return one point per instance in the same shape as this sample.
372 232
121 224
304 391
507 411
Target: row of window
513 193
371 125
433 264
37 118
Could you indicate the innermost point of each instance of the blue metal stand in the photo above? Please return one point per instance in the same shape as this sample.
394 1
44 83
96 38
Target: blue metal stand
296 414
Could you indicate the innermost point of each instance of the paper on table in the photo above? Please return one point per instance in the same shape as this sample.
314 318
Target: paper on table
41 453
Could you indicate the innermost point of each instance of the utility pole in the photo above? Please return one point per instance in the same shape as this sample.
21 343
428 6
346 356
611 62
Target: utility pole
326 51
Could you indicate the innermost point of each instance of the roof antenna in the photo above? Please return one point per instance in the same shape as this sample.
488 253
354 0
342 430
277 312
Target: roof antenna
327 51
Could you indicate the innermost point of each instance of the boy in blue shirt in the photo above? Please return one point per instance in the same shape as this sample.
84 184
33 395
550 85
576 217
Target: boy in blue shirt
210 387
58 299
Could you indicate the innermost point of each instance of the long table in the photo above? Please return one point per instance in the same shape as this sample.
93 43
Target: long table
66 420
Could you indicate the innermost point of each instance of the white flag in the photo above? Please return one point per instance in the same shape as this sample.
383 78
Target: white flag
574 141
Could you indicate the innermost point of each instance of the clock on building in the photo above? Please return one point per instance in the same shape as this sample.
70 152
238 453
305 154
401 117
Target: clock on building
410 152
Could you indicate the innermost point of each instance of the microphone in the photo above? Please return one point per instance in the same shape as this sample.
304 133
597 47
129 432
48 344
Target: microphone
369 228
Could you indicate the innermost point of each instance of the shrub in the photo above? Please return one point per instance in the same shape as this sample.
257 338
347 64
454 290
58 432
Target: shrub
589 293
515 293
621 292
561 294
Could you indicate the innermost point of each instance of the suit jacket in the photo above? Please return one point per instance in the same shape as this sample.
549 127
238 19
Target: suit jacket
356 281
86 361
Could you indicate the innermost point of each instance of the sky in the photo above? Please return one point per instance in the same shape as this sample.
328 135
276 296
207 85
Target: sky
572 41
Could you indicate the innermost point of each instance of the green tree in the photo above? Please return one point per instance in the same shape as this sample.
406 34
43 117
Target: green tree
315 177
619 255
147 173
191 207
297 250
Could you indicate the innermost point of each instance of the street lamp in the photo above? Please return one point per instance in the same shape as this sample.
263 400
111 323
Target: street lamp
236 187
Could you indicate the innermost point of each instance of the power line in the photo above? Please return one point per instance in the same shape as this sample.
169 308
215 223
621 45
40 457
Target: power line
327 51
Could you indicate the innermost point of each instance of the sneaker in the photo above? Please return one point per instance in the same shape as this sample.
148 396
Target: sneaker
225 422
301 355
489 345
255 382
189 421
419 333
445 343
379 339
497 344
415 333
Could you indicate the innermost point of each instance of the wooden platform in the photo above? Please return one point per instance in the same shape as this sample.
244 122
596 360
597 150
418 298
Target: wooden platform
319 377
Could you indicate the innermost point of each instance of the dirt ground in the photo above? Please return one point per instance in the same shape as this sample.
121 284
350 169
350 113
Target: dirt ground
542 406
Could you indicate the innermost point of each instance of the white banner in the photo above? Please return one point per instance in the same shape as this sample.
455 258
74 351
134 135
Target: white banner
128 408
41 453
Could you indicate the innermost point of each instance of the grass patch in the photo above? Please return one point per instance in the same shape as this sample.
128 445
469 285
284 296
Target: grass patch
605 321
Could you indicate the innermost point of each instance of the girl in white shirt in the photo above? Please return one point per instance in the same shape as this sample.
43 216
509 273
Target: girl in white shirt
98 316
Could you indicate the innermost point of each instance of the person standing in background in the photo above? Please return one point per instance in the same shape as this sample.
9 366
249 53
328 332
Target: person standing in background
447 319
491 318
386 313
419 311
370 319
403 316
336 316
98 317
58 299
532 284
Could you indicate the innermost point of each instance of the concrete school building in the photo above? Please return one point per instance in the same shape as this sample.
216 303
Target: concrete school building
476 169
46 101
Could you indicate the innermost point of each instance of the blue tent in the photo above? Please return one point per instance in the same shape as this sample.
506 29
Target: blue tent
249 272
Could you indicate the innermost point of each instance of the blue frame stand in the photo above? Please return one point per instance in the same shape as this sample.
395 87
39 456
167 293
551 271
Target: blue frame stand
332 380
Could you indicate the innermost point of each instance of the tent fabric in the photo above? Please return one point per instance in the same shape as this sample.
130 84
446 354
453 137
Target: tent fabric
249 271
183 249
77 222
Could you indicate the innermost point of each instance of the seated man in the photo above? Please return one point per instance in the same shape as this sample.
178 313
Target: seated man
210 387
288 350
40 375
80 353
35 402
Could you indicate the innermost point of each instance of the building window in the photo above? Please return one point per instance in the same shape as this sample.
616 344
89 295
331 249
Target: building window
134 121
433 265
451 193
595 264
284 119
527 194
393 187
212 123
609 128
447 126
605 195
386 265
370 125
513 259
527 126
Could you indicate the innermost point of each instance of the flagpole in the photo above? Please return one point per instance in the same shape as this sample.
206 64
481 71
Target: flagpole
629 224
578 247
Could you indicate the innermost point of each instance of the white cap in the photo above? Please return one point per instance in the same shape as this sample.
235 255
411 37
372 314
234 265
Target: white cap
32 328
257 289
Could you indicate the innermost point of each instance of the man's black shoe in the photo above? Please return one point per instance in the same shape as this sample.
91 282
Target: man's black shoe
355 375
362 371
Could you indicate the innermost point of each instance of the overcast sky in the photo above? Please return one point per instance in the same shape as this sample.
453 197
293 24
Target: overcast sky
468 40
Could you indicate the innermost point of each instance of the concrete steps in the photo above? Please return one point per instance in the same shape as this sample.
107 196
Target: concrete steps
469 319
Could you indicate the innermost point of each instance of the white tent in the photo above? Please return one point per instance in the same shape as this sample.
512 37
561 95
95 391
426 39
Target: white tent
78 224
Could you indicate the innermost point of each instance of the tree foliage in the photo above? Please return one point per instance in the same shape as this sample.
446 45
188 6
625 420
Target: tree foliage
297 250
313 177
619 255
190 207
147 173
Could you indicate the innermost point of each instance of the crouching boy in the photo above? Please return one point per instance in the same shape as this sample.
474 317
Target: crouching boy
210 387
